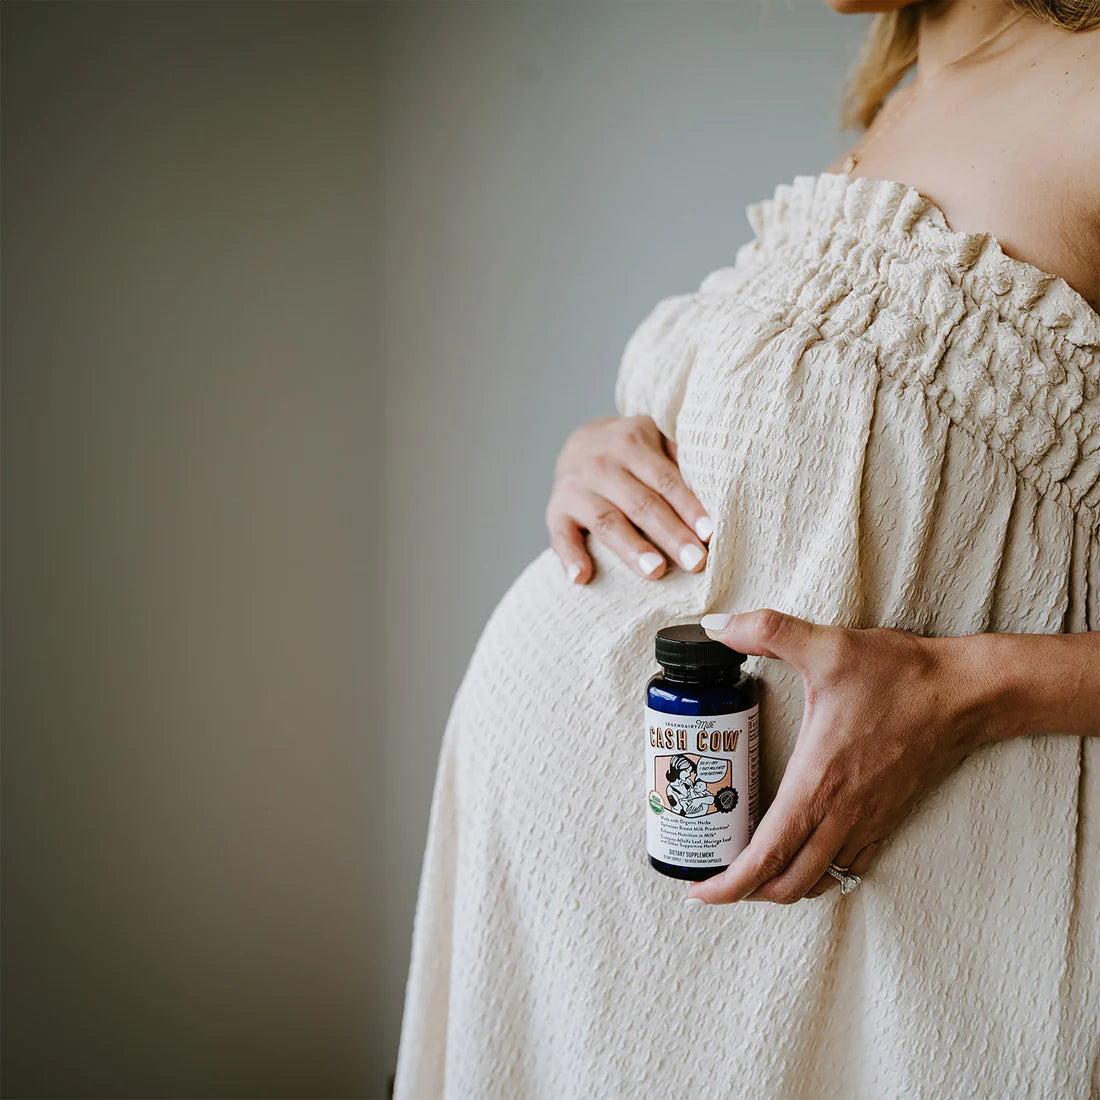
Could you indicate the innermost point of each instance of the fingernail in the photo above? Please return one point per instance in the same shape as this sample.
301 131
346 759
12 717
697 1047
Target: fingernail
694 903
704 528
690 557
718 621
574 572
648 563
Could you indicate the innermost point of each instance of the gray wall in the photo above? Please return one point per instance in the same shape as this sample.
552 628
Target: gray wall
191 432
300 301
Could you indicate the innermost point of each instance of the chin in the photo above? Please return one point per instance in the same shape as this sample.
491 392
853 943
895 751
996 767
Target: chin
857 7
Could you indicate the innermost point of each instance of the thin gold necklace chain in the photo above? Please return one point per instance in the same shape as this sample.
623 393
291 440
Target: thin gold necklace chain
853 157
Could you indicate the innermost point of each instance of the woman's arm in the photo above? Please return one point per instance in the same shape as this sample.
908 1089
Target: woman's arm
1028 683
887 716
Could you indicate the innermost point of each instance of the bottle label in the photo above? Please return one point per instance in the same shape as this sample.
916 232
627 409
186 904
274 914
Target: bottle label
701 783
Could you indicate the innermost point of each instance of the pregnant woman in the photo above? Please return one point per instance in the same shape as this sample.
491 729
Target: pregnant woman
868 452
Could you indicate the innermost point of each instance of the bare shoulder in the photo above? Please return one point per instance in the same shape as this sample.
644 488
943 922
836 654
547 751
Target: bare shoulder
1082 76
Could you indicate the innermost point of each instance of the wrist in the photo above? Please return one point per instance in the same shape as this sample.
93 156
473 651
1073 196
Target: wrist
994 693
1015 685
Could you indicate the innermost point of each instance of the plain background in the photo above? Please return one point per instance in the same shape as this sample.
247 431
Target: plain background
300 302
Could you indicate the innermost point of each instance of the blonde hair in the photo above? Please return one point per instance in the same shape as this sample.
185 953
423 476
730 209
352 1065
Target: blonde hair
890 49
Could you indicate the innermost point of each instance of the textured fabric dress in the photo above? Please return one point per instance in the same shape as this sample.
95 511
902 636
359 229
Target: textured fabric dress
891 423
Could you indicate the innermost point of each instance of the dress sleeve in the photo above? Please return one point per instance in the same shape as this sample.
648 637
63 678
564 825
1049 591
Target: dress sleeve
656 362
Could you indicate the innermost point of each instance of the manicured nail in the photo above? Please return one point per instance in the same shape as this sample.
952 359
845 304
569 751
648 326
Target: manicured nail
694 903
704 528
574 572
717 621
648 563
690 556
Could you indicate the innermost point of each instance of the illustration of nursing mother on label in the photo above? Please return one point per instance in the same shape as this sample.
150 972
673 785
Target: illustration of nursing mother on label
687 794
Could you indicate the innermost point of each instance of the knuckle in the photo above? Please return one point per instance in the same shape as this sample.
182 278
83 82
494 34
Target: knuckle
633 430
666 483
772 863
605 521
767 624
627 431
646 504
603 464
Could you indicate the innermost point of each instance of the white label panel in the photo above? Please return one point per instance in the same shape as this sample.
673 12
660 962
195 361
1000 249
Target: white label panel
701 786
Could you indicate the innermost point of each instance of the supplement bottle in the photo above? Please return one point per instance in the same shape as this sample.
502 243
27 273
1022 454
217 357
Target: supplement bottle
701 757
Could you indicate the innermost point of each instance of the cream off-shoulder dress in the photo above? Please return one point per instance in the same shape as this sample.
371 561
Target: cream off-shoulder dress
891 423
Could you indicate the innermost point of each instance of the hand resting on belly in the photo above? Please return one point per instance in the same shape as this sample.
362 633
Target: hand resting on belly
617 479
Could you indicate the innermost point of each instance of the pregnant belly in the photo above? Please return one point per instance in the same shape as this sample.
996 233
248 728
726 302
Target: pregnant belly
552 700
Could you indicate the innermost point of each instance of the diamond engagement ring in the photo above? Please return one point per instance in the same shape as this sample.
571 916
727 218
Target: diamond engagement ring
847 882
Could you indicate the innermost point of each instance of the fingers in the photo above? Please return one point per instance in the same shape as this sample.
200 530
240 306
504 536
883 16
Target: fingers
857 865
663 476
807 867
771 633
652 514
615 479
567 541
607 523
805 876
782 832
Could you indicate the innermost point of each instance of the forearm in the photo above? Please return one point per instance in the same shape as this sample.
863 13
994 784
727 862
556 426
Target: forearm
1015 685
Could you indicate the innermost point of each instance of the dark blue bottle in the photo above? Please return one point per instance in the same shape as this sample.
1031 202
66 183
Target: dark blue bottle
702 727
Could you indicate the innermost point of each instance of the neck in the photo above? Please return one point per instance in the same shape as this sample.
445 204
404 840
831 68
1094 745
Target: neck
950 29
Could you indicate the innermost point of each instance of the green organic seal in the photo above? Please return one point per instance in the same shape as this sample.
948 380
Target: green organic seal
655 803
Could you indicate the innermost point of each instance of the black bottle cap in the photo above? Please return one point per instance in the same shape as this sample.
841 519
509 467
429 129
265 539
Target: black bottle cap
688 649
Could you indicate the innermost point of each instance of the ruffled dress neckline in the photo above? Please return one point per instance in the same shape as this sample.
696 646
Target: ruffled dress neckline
871 207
